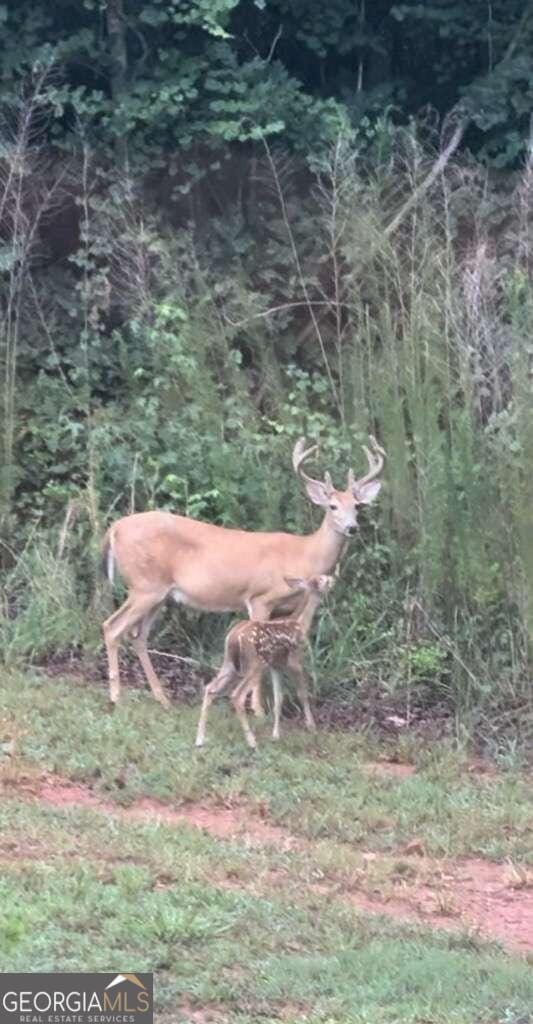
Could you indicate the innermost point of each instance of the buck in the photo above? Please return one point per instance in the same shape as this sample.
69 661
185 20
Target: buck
217 569
251 647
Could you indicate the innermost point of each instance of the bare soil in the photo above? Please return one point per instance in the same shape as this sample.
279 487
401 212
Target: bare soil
389 769
492 901
211 1013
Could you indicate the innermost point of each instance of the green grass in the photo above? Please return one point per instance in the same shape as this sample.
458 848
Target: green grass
83 891
229 927
317 784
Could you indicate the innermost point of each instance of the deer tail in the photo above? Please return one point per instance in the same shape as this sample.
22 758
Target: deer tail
108 557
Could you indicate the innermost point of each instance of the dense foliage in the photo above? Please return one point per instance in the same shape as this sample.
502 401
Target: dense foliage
226 224
152 78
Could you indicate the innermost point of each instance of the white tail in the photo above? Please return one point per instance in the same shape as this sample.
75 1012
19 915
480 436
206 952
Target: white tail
251 647
160 555
110 564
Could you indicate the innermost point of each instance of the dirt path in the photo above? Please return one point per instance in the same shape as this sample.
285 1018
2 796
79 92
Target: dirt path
490 900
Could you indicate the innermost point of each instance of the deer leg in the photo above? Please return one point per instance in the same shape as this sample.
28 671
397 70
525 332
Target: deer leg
120 622
223 678
295 666
278 700
251 682
112 632
139 637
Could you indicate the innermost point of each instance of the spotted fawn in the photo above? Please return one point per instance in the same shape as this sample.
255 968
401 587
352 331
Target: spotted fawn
278 644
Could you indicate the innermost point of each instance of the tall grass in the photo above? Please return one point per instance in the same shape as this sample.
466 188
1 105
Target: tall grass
41 609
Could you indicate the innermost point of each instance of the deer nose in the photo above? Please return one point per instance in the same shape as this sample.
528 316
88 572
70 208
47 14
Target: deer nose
351 530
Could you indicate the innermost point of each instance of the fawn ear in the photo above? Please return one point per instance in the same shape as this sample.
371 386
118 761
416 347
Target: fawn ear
295 582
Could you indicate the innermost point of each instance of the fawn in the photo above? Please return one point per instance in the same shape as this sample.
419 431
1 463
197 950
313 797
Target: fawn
250 647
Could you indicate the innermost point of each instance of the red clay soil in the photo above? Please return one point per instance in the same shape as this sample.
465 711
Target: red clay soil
389 769
472 895
493 901
222 822
212 1014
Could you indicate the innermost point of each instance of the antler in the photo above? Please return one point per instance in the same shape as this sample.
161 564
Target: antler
375 458
300 455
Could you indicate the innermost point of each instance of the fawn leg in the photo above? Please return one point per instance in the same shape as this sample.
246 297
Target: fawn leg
251 681
278 700
224 676
295 666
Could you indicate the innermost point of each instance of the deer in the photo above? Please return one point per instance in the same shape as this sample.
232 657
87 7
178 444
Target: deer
250 647
160 555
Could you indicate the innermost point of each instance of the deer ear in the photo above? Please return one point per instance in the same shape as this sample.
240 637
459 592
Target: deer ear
295 582
368 493
318 492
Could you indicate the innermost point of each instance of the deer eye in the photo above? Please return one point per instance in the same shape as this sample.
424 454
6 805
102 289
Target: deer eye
333 508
